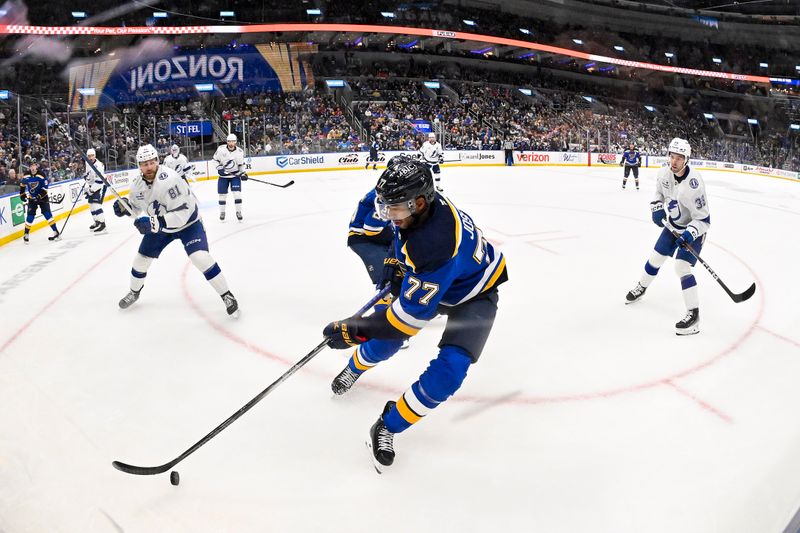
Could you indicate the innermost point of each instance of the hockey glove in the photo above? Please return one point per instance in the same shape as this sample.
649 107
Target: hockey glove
86 195
441 159
343 334
123 207
147 225
243 176
687 237
393 273
657 211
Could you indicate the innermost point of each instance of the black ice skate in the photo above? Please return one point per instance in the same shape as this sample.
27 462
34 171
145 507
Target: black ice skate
239 217
634 294
381 442
344 381
129 299
100 227
26 238
56 236
222 217
231 305
690 324
93 226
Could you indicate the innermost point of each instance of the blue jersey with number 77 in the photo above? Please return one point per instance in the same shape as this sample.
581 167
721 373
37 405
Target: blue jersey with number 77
448 261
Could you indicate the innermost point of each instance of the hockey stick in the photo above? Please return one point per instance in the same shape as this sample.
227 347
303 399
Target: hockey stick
61 232
741 297
151 470
282 186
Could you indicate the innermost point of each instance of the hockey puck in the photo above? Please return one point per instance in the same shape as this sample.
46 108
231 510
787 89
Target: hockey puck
174 477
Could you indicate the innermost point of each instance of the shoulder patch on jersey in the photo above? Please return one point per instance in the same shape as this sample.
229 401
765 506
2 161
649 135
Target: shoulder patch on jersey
163 175
693 183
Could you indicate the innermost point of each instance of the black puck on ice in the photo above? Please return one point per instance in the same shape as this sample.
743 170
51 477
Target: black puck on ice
174 477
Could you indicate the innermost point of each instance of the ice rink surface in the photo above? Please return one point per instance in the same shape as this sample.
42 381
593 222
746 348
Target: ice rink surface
583 414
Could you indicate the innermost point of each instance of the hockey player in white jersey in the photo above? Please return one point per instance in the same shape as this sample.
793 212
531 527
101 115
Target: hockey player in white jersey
230 168
164 208
95 190
680 206
432 154
178 162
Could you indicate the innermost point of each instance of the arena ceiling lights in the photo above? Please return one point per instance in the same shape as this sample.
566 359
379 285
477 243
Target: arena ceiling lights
109 31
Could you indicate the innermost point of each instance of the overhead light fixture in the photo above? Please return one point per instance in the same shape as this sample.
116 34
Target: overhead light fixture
387 14
334 83
227 14
432 84
87 91
577 41
669 54
526 31
79 14
619 48
526 92
752 121
587 98
313 12
791 126
470 22
716 60
204 87
159 14
526 56
4 95
650 108
709 116
763 65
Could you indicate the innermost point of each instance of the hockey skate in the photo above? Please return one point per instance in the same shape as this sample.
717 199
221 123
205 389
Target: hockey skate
94 225
239 217
99 228
56 236
690 324
381 442
222 217
635 294
129 299
231 305
26 239
344 381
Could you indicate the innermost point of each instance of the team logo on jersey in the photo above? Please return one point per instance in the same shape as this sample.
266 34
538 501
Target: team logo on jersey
163 176
693 183
282 161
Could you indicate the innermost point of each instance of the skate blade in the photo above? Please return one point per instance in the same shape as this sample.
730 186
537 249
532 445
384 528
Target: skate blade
378 467
235 314
689 331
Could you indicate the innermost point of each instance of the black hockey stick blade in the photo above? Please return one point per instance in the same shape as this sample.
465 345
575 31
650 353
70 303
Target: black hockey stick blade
281 185
143 470
751 290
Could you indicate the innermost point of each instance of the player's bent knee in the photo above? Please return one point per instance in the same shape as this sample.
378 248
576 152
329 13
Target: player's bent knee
657 259
141 263
202 260
682 268
446 373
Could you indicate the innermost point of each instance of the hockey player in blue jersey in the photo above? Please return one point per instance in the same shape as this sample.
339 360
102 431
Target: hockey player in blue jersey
445 266
165 209
33 191
373 153
632 159
680 207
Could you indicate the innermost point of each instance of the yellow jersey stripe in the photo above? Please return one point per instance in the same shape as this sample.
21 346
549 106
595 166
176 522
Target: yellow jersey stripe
405 411
399 324
497 273
409 262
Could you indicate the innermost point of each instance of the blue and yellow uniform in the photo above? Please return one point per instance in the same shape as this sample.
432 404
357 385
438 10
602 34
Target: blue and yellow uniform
453 270
33 188
369 236
631 159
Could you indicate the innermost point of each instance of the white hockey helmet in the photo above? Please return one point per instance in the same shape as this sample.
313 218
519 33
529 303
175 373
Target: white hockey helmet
231 137
91 152
146 153
174 150
680 146
431 136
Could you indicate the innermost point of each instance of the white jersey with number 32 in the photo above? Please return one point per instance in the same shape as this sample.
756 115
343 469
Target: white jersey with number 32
685 203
